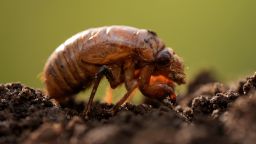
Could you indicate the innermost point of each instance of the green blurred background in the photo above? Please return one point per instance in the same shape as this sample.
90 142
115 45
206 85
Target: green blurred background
215 34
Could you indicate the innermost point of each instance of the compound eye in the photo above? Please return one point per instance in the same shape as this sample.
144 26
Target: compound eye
163 58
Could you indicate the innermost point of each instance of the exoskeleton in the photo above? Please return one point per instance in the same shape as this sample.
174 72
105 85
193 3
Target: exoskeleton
120 53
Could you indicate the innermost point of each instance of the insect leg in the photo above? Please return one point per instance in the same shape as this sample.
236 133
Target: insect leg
108 96
130 84
123 99
155 90
103 71
115 78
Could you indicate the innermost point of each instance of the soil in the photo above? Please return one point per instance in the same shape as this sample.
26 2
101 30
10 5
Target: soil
210 112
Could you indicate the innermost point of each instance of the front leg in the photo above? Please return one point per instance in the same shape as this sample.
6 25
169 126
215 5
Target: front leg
130 83
156 90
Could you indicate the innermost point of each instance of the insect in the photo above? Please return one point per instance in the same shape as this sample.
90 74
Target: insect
122 54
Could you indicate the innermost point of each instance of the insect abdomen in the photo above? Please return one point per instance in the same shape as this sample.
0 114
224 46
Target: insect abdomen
62 74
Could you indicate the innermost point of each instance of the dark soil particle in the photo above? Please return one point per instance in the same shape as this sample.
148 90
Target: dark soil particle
210 112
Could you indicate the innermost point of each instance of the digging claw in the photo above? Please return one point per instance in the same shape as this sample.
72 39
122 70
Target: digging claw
113 111
169 102
85 114
86 117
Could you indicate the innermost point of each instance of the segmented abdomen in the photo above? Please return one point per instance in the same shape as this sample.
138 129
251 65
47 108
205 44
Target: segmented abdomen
62 73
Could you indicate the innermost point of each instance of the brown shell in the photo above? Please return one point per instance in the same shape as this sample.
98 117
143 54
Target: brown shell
110 44
65 72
